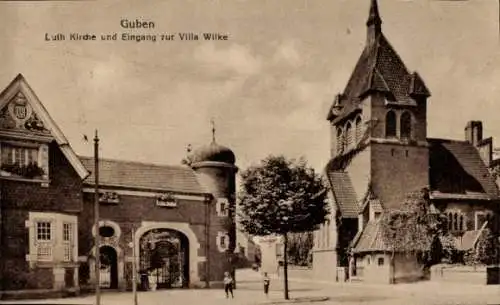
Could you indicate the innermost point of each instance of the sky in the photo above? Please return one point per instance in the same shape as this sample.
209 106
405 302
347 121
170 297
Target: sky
268 87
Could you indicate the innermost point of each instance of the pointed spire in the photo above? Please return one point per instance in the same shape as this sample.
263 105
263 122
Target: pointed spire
374 16
374 22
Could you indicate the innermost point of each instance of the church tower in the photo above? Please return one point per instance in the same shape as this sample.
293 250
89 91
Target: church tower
378 124
379 149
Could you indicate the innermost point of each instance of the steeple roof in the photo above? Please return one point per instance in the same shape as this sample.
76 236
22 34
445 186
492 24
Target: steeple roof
379 68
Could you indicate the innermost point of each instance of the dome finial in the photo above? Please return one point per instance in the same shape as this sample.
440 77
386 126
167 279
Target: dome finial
213 129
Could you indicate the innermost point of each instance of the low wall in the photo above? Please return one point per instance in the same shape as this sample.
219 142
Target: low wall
459 273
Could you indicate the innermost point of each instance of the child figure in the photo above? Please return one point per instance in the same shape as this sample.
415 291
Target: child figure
267 281
228 284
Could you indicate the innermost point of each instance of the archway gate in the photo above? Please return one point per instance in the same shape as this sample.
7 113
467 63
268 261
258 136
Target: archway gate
164 257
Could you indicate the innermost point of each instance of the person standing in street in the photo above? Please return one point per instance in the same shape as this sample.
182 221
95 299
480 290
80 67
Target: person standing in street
228 284
267 281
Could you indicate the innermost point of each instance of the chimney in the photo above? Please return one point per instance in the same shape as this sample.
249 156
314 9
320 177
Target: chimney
474 132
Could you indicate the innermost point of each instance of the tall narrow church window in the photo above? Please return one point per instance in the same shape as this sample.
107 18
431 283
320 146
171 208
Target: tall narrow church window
339 139
359 129
349 135
390 124
406 125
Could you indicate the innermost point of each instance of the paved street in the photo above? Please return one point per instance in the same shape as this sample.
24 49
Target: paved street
250 292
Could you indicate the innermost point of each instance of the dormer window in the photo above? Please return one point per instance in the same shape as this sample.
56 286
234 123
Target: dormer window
406 125
390 124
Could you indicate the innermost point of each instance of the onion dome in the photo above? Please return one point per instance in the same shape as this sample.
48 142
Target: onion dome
213 153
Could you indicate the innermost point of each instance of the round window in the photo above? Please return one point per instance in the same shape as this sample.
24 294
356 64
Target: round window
106 231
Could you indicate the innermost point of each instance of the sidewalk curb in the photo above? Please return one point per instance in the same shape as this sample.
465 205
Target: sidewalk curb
297 300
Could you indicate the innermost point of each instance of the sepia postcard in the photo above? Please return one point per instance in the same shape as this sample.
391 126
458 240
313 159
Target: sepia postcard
249 152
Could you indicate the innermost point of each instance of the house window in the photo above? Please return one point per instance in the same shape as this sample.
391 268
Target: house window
456 221
43 231
23 161
377 215
43 240
222 207
390 124
480 218
19 155
406 125
222 241
380 261
52 237
67 242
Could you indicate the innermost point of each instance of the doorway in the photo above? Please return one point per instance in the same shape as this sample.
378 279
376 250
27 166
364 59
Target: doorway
164 257
109 267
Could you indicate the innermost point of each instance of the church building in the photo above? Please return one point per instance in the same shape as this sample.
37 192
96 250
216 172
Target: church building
178 218
380 153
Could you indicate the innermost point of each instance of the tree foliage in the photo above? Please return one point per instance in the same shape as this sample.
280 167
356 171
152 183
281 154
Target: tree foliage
281 196
414 229
486 250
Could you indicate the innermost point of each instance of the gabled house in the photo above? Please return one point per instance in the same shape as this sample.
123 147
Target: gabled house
41 182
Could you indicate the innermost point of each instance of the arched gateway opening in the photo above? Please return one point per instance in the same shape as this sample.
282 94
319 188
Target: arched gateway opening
109 268
164 256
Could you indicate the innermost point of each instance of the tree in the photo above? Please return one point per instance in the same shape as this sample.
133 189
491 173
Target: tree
300 246
414 229
486 249
281 196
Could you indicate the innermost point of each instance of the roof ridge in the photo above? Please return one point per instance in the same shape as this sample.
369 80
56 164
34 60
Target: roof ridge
136 162
448 140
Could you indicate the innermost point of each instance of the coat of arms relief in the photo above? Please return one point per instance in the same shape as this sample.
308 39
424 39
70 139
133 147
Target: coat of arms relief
19 115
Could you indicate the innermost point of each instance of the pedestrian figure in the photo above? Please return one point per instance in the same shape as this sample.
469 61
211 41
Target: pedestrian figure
267 281
228 284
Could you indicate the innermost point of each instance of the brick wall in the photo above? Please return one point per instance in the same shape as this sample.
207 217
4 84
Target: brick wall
63 194
398 170
131 211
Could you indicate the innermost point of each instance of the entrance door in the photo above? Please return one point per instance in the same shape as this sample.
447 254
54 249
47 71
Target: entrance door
164 257
109 268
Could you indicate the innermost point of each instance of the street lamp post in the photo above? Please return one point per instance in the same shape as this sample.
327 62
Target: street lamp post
96 220
134 267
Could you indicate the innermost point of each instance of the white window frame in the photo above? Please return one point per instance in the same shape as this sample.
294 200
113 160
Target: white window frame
220 211
476 216
220 237
59 249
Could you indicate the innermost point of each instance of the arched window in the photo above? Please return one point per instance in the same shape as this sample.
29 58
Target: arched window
406 125
349 135
390 124
359 129
460 223
455 221
339 139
